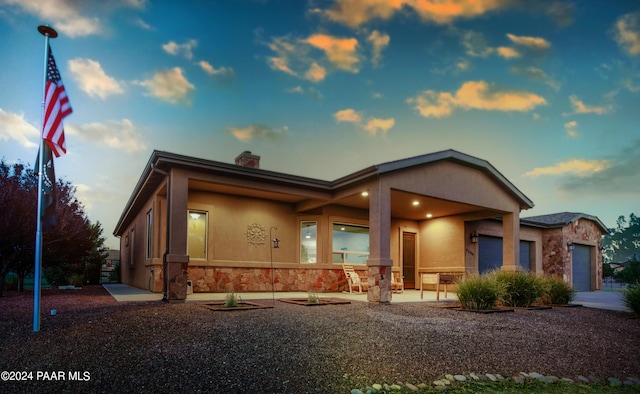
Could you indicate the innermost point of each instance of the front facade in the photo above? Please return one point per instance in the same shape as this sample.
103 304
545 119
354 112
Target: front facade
221 227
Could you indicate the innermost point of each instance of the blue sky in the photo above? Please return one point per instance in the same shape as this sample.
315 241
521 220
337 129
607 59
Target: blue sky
546 91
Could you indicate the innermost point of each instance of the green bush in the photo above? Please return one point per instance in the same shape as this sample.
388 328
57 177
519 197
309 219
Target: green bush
631 273
521 288
231 300
479 292
557 291
76 279
631 298
11 281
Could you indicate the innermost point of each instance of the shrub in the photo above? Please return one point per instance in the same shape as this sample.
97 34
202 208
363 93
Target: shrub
521 288
557 291
11 281
631 298
231 300
479 292
631 273
312 297
76 280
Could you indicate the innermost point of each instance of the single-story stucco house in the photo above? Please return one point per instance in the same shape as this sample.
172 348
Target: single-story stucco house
216 225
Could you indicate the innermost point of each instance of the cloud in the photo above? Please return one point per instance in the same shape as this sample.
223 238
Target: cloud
570 127
121 135
354 13
375 125
293 56
627 33
93 80
474 95
508 53
216 72
476 45
15 127
614 175
315 73
462 65
310 92
536 43
341 52
578 167
144 25
176 49
370 125
254 131
561 12
536 74
169 85
581 108
63 14
348 115
379 41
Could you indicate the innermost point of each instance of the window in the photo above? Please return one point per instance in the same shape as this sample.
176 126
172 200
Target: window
350 243
197 234
149 234
308 242
132 248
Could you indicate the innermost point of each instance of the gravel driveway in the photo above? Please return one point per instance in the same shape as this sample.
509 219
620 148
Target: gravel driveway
155 346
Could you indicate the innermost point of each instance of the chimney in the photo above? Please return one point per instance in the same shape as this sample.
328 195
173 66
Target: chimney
246 159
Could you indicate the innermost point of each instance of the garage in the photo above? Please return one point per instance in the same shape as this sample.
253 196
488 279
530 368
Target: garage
489 253
581 267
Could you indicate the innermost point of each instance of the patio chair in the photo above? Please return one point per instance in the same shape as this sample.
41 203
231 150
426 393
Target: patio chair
430 279
397 282
353 279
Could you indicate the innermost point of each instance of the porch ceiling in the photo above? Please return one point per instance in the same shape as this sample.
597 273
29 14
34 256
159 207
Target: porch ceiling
401 202
402 206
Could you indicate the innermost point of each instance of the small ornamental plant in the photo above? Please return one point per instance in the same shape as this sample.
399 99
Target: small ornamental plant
557 291
312 297
231 300
479 292
631 298
521 288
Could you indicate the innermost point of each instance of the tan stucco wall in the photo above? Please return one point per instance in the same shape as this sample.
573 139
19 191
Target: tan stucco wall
442 245
455 182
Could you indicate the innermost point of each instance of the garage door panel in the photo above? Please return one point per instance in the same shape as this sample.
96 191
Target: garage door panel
581 267
489 253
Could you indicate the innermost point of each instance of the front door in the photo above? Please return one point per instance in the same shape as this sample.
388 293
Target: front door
409 260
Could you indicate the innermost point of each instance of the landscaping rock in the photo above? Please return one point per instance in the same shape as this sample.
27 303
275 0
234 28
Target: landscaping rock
411 387
614 381
460 378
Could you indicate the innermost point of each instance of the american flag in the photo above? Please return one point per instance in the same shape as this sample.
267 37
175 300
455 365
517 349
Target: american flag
56 108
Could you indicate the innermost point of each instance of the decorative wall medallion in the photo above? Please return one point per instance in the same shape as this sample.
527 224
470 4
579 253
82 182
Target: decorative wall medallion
256 234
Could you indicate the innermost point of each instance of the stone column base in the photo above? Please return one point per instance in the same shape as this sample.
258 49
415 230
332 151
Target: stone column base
379 284
176 277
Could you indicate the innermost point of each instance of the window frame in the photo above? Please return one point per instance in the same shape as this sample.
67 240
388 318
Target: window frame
206 232
344 252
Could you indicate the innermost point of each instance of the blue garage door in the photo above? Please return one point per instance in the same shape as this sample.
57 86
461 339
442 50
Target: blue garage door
525 255
581 265
489 253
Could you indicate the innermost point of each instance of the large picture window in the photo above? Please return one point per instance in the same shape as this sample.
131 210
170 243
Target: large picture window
197 234
350 243
308 242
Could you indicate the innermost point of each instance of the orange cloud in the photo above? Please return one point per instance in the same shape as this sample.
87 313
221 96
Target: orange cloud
581 108
348 115
578 167
341 52
627 33
508 53
531 42
474 95
354 13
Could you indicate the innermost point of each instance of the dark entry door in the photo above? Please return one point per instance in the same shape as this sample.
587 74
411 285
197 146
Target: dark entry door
489 253
409 260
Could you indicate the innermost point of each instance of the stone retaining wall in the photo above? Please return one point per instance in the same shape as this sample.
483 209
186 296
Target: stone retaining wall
223 279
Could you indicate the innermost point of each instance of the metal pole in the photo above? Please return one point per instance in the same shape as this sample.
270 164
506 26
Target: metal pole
47 32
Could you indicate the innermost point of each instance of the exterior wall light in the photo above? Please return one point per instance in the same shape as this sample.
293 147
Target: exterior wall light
276 243
474 237
570 246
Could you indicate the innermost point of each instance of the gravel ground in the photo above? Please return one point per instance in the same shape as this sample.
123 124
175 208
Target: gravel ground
160 347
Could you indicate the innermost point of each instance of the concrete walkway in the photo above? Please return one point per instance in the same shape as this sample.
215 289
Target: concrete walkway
123 293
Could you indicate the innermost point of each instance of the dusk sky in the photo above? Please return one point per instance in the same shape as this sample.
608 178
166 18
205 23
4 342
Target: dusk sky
547 91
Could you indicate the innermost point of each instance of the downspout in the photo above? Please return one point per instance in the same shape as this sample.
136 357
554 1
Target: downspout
165 296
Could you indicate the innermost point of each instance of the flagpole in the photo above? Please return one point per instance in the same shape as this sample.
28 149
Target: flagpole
47 32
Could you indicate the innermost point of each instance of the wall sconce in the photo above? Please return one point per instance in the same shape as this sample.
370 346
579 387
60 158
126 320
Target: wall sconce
276 243
570 245
474 237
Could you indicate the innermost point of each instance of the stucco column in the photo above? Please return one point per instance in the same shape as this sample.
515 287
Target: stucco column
379 262
511 242
177 259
